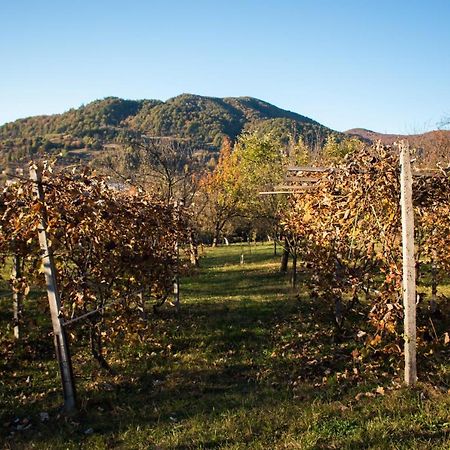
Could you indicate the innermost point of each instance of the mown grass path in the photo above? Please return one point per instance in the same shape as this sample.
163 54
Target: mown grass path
247 363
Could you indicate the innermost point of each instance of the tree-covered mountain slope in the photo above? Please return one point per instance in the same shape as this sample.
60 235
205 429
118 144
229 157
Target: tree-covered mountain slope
204 121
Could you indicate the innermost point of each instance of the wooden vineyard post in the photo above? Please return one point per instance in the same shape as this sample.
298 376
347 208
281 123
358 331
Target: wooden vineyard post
60 339
17 296
409 266
176 278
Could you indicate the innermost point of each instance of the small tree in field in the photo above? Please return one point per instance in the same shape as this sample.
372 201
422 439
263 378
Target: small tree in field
222 191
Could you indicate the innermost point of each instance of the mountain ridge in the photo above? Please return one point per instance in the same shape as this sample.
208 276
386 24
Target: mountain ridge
202 120
389 138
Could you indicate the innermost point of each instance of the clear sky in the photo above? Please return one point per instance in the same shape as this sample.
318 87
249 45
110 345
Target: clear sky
378 64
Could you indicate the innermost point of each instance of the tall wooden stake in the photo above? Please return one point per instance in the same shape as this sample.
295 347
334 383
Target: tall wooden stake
176 279
409 266
60 339
17 297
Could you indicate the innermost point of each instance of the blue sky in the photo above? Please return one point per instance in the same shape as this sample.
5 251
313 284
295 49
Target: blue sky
379 64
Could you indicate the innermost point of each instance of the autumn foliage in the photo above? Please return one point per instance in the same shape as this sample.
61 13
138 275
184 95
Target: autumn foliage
348 231
113 249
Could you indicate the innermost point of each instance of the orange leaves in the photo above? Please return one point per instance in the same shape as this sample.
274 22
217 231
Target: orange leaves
348 227
106 242
432 215
349 233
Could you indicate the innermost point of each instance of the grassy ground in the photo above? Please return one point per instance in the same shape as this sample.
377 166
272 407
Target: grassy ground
247 363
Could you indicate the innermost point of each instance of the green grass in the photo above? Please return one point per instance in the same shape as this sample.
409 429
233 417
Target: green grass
247 363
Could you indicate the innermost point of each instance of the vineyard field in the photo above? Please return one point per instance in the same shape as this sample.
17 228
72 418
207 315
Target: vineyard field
247 362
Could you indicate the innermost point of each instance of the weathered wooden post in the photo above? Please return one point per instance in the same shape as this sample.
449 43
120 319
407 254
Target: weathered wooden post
60 339
176 278
409 266
17 296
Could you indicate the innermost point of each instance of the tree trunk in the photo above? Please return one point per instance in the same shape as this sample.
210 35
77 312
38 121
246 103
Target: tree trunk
294 270
193 250
338 312
141 306
216 236
434 286
284 257
97 347
433 279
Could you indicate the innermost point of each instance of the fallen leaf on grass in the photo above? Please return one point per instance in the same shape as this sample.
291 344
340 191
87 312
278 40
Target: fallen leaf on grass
364 394
341 406
380 390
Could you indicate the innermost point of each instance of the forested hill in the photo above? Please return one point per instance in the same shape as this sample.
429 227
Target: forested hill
203 120
370 136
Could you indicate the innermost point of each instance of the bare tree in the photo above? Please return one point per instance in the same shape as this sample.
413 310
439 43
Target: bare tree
168 167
